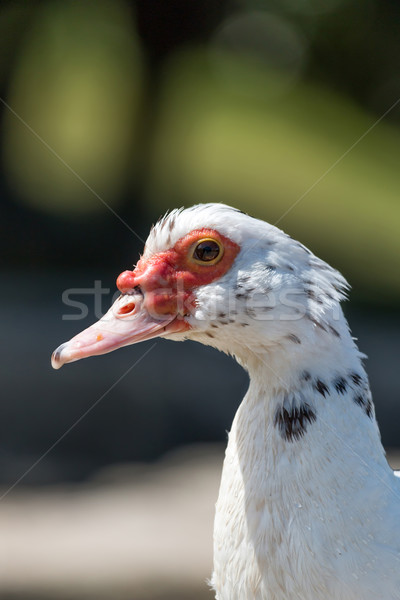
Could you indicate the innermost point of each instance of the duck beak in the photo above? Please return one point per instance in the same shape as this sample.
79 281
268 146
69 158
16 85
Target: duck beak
127 322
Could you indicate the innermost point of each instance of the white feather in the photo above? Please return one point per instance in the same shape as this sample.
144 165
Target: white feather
310 515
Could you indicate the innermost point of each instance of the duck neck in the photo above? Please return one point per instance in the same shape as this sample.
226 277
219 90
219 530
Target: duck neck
303 417
298 444
303 445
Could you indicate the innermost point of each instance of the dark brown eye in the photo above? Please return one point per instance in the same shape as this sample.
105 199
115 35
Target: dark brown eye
207 251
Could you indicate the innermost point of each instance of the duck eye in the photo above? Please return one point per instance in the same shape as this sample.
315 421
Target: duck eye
207 251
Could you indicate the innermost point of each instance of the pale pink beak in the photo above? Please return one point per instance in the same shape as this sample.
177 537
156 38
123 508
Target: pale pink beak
126 322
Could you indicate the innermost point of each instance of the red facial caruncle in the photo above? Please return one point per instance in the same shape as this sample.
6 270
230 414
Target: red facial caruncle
156 296
168 278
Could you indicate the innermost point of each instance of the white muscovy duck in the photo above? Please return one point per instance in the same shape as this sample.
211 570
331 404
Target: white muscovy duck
308 507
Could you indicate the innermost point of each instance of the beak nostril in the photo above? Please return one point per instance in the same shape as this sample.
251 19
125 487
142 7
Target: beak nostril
128 308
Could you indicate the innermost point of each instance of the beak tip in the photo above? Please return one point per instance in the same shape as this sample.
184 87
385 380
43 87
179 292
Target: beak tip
56 358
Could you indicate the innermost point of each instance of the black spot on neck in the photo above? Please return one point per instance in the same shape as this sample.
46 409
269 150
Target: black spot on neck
360 400
365 403
340 385
357 379
321 387
292 422
293 338
369 409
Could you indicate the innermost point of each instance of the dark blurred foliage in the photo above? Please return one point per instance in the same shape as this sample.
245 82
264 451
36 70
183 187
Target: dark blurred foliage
30 237
352 47
113 112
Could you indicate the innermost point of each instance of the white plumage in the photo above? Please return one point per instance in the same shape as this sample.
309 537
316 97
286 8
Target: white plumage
308 507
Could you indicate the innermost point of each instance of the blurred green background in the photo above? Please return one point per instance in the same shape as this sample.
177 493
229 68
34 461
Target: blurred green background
112 112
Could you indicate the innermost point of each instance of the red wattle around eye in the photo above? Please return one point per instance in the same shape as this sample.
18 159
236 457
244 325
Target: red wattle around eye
169 279
200 273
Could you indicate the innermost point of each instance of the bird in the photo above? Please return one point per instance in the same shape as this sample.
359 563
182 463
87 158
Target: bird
308 507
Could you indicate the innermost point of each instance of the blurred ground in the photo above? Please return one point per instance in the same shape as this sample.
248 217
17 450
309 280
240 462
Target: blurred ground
136 533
